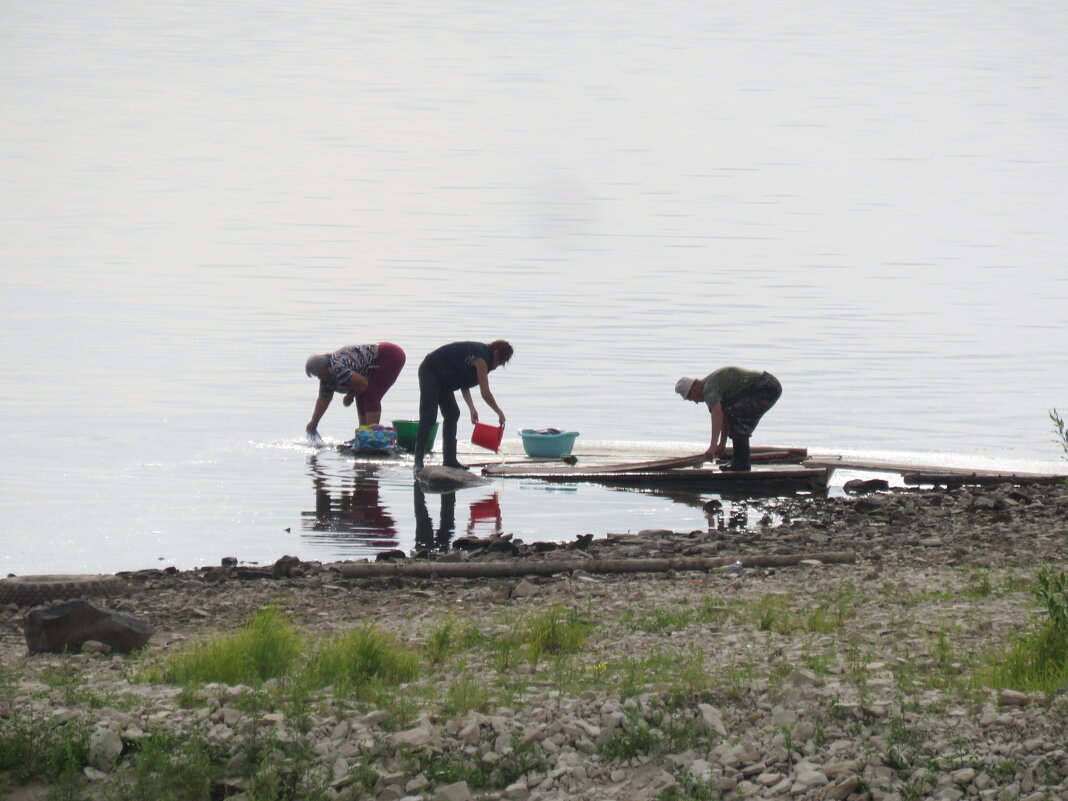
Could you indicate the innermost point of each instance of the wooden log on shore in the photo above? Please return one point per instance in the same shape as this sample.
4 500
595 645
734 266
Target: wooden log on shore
523 567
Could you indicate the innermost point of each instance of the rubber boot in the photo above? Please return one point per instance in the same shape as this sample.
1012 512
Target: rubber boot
740 462
422 438
448 454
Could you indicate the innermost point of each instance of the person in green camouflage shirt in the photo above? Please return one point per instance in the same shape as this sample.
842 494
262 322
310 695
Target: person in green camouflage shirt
736 398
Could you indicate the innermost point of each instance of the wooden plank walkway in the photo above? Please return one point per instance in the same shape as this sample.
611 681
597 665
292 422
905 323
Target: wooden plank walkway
772 467
595 464
702 478
933 474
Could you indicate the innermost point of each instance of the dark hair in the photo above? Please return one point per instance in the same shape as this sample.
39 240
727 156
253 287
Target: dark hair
501 349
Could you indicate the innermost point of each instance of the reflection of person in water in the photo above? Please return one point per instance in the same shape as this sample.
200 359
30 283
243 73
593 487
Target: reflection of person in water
736 518
426 538
357 509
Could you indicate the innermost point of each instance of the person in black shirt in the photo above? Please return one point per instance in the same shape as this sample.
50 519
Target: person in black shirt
457 366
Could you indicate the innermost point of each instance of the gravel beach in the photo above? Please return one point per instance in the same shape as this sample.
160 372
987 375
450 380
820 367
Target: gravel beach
862 678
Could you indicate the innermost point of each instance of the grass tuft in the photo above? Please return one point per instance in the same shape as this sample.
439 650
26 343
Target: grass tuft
557 630
356 661
267 647
1038 659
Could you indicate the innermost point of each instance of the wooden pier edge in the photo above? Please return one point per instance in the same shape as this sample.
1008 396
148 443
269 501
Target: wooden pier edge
930 474
522 567
957 479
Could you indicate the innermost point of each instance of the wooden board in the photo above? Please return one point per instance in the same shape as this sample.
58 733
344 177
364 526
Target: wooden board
838 463
691 477
932 476
539 467
556 466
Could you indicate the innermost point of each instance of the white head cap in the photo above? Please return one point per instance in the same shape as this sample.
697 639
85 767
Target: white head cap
684 385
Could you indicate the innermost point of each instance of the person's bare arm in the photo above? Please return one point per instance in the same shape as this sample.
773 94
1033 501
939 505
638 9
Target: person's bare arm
466 394
322 403
357 385
482 371
718 445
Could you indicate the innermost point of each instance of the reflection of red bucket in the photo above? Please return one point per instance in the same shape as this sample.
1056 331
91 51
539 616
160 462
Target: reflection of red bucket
486 509
487 436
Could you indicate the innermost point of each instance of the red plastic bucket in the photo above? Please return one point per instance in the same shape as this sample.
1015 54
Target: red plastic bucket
487 436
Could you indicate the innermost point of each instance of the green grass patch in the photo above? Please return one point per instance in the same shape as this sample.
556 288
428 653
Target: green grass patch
682 671
659 621
481 774
465 695
267 647
557 630
168 768
270 648
46 751
356 660
1037 660
655 730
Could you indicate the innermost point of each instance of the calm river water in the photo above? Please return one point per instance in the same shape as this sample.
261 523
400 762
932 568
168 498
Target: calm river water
866 200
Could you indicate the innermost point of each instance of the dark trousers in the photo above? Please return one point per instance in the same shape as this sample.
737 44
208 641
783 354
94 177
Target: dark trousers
432 396
745 410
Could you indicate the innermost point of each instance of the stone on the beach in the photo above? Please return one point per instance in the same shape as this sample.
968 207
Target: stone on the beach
68 626
458 791
436 478
105 748
524 589
712 718
517 791
811 778
844 788
411 738
859 485
1014 698
286 567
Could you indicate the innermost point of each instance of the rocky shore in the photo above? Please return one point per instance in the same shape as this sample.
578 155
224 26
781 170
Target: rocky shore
860 680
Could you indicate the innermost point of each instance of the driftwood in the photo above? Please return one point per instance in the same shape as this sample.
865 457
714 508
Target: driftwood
525 567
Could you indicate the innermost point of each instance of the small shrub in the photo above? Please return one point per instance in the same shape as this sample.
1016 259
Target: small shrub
441 642
556 630
772 613
35 749
505 650
169 768
364 656
658 729
664 621
266 647
465 695
635 738
979 586
1052 592
1060 430
690 788
447 767
1038 659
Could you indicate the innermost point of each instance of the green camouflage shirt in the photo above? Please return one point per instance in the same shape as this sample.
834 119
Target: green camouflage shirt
727 383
